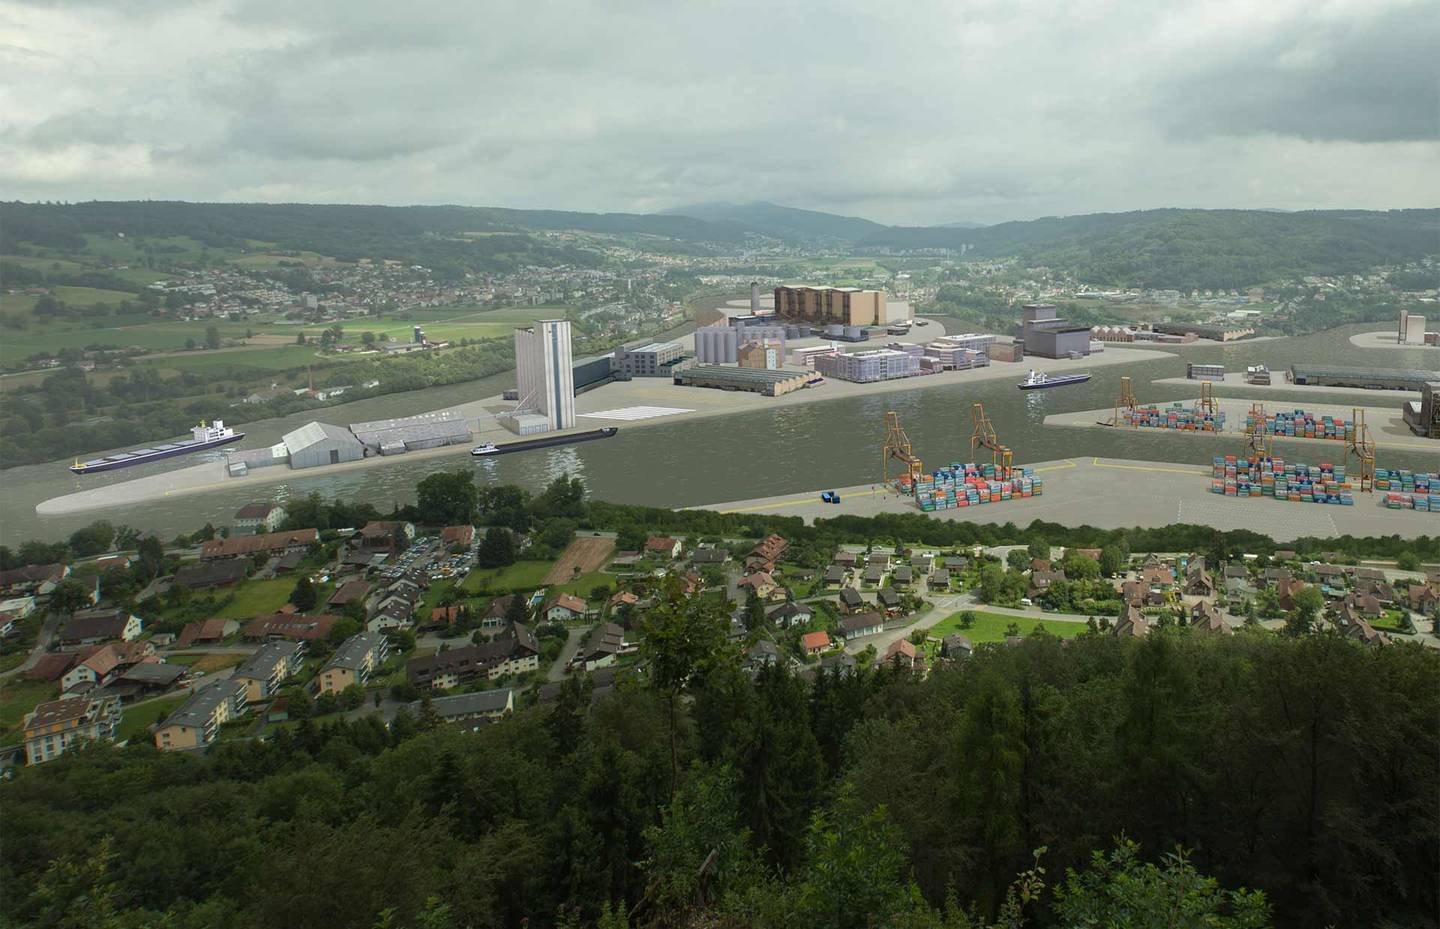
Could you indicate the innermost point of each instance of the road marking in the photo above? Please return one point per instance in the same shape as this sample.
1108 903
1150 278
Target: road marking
1095 462
1058 467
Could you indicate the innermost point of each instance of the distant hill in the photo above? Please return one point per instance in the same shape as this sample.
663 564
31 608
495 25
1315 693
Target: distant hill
1170 248
784 222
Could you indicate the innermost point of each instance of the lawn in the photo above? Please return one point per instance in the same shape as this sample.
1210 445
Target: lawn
206 663
138 719
17 698
522 575
990 627
255 597
583 584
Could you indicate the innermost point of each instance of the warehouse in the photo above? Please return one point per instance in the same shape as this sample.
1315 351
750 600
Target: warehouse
754 380
316 444
1049 336
1371 378
411 433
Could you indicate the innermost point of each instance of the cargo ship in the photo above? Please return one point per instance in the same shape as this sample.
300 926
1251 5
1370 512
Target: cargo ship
202 437
525 445
1038 380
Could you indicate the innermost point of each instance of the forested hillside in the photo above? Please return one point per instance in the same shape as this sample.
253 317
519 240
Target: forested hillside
1301 768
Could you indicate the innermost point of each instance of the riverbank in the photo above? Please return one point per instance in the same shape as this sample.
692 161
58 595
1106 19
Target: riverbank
1235 380
620 400
1387 427
1111 493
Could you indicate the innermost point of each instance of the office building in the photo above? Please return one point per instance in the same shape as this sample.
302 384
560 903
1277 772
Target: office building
865 367
1050 336
544 373
654 359
846 306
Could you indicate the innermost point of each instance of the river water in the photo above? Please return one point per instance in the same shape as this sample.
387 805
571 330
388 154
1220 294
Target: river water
761 453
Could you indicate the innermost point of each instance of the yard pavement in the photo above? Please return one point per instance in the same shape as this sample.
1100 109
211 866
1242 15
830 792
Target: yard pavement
576 635
42 643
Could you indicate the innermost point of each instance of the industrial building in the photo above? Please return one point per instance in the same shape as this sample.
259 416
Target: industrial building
1411 330
1050 336
882 364
720 344
754 380
1257 374
765 353
544 376
1371 378
847 306
1213 333
947 357
1423 415
1205 372
805 357
591 373
653 359
316 444
411 433
974 341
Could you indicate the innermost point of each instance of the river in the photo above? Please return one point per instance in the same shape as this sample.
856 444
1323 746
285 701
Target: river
787 450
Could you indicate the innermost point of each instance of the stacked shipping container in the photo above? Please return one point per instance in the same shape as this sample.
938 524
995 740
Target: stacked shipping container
1411 490
970 485
1175 416
1273 477
1299 424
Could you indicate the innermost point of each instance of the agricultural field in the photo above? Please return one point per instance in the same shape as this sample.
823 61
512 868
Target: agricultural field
15 304
585 583
582 556
207 664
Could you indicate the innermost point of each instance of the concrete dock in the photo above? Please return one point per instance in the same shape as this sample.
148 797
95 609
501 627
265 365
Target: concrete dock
1235 380
1387 427
1117 494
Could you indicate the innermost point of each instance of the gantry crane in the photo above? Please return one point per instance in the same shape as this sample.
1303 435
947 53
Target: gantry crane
1207 405
897 448
1363 448
984 437
1124 403
1258 441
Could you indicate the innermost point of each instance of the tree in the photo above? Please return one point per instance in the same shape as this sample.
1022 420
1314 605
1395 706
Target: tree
1407 561
446 499
1308 604
496 549
304 596
212 337
1039 549
93 539
300 338
1018 559
967 619
68 596
1119 889
1112 562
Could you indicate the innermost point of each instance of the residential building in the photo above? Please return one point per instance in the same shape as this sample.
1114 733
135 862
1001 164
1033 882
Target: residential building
98 664
861 625
662 546
256 518
544 371
516 652
90 627
565 607
55 727
850 600
813 643
601 647
761 584
264 672
198 720
904 653
289 626
790 614
484 706
270 543
457 538
352 662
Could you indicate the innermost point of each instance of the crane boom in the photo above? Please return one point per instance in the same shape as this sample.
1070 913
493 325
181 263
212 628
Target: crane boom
984 437
897 448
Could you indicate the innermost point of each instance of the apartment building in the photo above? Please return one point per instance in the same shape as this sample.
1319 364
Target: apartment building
198 720
264 672
55 727
353 662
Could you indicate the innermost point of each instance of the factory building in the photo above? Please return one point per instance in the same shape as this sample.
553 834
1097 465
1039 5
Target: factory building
587 375
721 344
946 357
866 367
1423 415
1205 372
1049 336
1213 333
754 380
805 357
847 306
1372 378
544 373
316 444
762 353
411 433
654 359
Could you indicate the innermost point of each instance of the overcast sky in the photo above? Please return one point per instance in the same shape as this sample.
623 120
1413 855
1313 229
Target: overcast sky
912 112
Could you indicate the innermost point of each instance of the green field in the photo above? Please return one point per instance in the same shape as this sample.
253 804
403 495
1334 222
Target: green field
255 597
11 304
583 584
522 575
138 718
990 627
17 698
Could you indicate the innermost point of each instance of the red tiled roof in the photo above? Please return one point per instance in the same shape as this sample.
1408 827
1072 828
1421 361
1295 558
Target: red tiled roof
813 640
569 602
451 535
290 627
204 630
252 544
49 667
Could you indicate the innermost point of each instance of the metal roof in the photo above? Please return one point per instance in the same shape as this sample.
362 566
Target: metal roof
314 433
744 375
1402 374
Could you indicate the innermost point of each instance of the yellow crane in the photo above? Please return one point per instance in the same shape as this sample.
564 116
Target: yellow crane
1207 405
984 437
897 448
1124 403
1363 448
1258 441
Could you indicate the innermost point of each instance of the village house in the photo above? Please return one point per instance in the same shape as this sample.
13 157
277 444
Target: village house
481 707
846 559
890 600
903 652
762 584
206 632
353 662
56 726
1204 617
840 663
257 518
198 720
834 576
873 575
100 663
270 543
766 554
662 547
955 646
601 647
762 654
91 627
36 579
623 598
495 615
788 615
1198 582
565 607
457 538
813 643
861 625
1132 624
387 535
903 576
1040 582
940 580
208 574
850 600
709 556
357 592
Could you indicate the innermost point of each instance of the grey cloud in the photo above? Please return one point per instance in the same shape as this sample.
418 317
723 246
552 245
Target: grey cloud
1362 80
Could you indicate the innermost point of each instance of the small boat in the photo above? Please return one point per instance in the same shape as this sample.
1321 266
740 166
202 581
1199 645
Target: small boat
1038 380
547 441
203 436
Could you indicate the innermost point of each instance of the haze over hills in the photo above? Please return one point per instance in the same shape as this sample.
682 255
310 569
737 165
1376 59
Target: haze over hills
1155 248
